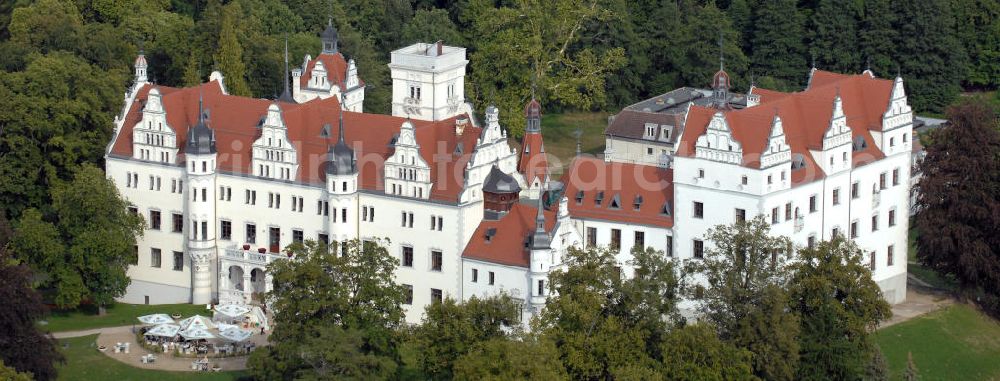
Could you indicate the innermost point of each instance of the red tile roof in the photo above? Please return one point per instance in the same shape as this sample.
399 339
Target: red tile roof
506 247
336 69
805 117
532 163
592 175
234 120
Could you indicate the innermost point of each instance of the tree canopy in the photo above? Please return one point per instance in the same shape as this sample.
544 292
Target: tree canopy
22 346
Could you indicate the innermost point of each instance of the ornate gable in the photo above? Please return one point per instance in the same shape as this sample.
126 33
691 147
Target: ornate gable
837 133
777 150
153 139
717 143
273 154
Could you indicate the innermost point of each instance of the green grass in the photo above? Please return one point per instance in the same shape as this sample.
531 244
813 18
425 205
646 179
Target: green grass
955 343
119 314
560 141
84 362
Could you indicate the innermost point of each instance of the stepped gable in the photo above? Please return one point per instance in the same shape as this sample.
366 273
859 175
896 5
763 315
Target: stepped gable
235 121
506 245
805 117
336 70
588 179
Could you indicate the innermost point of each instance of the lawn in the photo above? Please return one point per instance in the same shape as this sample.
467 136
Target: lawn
923 273
955 343
558 130
119 314
84 362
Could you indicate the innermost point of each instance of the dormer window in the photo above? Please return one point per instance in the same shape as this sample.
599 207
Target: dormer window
798 161
599 198
615 202
665 132
666 210
490 233
650 132
859 143
637 203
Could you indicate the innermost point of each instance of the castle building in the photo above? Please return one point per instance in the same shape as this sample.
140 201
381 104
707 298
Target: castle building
225 183
833 159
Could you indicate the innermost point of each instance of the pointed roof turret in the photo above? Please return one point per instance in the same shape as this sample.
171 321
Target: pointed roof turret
540 239
533 116
341 156
329 38
200 138
720 82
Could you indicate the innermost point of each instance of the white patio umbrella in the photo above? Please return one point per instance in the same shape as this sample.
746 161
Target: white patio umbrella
195 333
232 310
155 319
164 330
197 321
223 326
235 334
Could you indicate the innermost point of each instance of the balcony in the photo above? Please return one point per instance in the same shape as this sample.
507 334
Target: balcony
252 256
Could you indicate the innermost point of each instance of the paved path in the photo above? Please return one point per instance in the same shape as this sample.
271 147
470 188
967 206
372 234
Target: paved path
109 336
919 301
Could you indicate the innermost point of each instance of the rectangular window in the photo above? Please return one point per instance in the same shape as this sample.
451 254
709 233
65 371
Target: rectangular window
871 261
854 190
277 201
699 210
204 230
774 215
319 207
154 257
251 233
151 182
204 194
812 204
343 216
274 239
297 236
407 256
492 278
246 197
404 219
475 276
178 225
436 295
875 223
616 239
227 230
178 261
889 252
741 215
836 196
811 241
154 219
270 199
670 246
440 223
892 217
881 181
433 223
436 260
854 229
895 176
135 255
788 211
541 287
408 294
699 249
591 237
640 240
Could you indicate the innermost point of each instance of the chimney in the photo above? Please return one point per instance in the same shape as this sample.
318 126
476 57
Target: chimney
440 47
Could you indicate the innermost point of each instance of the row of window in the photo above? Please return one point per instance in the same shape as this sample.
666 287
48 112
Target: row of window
155 259
435 260
475 277
638 238
436 294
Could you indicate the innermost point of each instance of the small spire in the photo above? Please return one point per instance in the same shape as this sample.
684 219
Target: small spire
340 138
721 54
540 218
814 60
868 64
753 81
201 105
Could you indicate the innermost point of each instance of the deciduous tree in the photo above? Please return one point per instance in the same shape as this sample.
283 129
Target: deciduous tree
350 301
777 45
22 346
449 329
958 202
746 273
502 359
839 307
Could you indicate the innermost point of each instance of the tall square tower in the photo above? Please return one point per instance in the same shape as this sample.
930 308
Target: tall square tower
428 81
